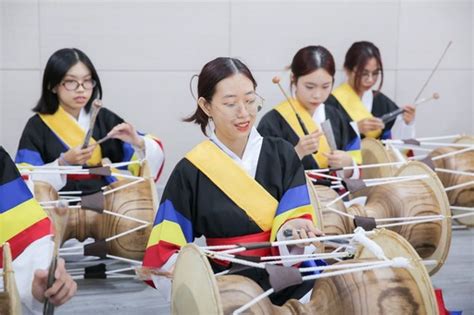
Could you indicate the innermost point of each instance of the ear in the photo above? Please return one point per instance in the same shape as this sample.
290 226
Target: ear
347 72
204 106
292 78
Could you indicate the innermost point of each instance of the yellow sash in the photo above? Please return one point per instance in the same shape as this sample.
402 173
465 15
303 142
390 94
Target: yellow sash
242 189
69 132
353 106
288 114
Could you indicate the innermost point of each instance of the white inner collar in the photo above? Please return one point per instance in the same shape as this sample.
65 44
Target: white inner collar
251 154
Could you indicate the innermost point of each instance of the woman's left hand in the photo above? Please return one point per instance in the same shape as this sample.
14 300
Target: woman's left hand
409 113
127 133
302 229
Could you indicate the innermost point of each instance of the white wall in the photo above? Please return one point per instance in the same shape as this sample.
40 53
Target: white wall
146 52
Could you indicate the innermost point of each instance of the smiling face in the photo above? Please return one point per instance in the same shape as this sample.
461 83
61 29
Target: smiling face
73 100
313 89
233 109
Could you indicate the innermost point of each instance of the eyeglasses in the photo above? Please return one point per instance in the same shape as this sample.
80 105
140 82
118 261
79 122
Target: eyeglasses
73 85
252 105
366 74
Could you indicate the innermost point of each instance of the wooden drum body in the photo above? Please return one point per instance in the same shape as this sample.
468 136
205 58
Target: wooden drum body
463 197
389 290
374 152
138 201
422 197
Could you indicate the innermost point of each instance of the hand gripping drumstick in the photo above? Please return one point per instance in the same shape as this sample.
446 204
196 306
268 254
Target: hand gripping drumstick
276 80
392 115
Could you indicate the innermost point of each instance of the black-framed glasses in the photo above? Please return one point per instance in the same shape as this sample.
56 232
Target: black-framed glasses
72 85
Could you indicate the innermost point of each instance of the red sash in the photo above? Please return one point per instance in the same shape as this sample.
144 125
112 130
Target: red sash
250 238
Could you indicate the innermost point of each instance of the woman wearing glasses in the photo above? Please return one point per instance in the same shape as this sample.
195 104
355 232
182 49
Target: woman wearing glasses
362 106
235 187
55 134
312 78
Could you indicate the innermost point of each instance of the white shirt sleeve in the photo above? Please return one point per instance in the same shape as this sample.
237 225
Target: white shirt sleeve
401 130
292 249
25 266
153 154
58 181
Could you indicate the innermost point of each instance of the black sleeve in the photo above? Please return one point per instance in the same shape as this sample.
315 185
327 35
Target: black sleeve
8 170
381 106
333 102
343 132
292 166
181 190
35 146
272 125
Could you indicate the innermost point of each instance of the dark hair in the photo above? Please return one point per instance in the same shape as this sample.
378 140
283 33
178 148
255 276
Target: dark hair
56 68
211 74
312 58
357 57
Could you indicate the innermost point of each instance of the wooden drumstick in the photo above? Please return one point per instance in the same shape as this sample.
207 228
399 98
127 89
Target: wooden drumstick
435 96
96 106
392 115
289 233
433 71
60 216
103 139
276 80
146 273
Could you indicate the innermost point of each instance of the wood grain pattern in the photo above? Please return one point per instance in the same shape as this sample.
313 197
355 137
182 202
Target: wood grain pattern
423 197
464 196
381 291
137 201
374 152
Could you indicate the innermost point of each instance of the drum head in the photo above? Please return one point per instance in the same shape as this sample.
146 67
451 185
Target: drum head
374 152
469 221
441 252
315 203
194 288
394 245
465 140
332 223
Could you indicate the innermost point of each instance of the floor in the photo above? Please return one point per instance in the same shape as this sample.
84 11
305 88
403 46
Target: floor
456 279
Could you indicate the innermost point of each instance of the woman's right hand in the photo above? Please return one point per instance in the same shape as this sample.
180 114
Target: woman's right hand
308 144
77 155
370 124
